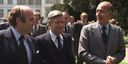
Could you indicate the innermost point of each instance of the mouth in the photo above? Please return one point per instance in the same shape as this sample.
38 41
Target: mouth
99 18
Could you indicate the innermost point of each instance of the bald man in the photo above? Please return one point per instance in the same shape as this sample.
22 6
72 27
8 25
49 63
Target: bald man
16 47
101 42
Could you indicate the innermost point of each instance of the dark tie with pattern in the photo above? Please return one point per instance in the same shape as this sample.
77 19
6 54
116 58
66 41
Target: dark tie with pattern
35 30
23 50
104 35
59 43
65 29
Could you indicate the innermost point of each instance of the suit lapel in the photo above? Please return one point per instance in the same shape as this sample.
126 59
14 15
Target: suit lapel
31 44
112 34
32 47
13 44
97 35
66 42
51 47
38 31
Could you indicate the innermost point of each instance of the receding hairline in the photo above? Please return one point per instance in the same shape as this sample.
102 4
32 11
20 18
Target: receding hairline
108 4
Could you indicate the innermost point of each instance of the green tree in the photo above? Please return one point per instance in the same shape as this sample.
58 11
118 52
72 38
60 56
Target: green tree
120 13
76 7
89 6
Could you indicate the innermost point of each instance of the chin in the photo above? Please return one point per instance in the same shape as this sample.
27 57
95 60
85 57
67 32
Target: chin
99 21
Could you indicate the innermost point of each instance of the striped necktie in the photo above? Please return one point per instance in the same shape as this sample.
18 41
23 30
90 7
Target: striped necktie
23 50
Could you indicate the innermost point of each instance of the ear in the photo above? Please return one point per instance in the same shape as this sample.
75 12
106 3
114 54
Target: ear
49 22
110 13
18 20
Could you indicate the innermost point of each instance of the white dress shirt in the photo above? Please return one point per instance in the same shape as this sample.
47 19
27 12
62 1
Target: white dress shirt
53 37
107 28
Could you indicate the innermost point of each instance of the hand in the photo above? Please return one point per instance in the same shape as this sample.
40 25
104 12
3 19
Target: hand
31 33
110 60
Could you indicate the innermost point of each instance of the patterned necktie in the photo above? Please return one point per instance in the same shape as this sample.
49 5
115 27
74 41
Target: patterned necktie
35 30
59 43
104 36
23 50
65 29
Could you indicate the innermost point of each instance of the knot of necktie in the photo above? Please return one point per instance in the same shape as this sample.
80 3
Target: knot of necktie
59 43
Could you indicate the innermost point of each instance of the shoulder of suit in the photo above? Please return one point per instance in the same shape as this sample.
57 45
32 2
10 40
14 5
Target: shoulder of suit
42 25
115 27
66 34
45 35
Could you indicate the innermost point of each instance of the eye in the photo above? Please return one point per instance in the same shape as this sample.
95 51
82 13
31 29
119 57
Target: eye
62 22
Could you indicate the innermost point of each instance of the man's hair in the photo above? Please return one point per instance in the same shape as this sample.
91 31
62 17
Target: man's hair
53 14
42 17
85 14
110 6
17 11
66 13
113 21
4 20
37 13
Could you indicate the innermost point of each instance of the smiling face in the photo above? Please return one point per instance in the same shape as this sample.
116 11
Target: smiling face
66 17
103 14
57 25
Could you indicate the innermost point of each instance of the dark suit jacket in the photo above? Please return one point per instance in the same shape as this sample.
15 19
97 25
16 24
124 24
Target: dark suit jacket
71 31
77 29
41 30
10 51
46 48
4 25
43 24
92 50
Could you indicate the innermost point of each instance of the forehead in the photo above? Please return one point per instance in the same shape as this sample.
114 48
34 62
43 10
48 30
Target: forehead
59 18
37 16
65 15
103 6
28 13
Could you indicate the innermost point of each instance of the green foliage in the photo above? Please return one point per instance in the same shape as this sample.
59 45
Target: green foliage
76 7
60 7
80 5
126 40
120 13
123 63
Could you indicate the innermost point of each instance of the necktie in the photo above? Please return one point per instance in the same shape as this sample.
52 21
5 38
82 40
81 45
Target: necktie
104 36
35 30
59 43
23 50
65 29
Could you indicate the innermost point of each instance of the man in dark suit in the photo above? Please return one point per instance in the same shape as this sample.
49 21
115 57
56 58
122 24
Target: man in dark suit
41 21
38 29
77 29
55 46
69 29
101 42
16 47
4 24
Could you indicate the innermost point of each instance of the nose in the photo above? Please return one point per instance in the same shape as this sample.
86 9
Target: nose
61 24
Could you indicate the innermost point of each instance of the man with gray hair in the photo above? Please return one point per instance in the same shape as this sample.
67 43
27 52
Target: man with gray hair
55 46
101 42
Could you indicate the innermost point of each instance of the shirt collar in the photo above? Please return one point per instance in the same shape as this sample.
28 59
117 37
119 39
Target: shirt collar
17 34
83 23
107 26
53 36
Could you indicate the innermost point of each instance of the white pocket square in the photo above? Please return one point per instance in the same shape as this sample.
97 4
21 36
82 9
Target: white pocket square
37 51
